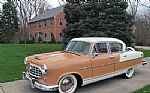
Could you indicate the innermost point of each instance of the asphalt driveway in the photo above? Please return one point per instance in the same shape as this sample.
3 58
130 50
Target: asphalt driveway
113 85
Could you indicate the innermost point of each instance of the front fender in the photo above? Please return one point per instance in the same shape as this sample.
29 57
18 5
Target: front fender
69 73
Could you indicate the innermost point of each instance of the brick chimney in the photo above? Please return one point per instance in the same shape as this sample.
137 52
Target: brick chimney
41 10
133 28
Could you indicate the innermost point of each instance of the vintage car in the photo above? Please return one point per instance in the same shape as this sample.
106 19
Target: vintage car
83 61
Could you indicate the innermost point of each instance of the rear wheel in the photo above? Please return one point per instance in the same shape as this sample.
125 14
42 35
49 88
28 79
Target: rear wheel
68 84
129 73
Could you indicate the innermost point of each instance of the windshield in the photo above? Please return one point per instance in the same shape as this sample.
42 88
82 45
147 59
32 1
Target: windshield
78 47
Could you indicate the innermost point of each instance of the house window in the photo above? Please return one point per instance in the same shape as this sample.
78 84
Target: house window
61 22
60 34
40 33
35 25
45 22
39 25
45 35
51 22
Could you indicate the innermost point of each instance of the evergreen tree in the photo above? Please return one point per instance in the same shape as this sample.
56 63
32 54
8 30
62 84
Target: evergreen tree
105 18
53 41
39 39
1 37
9 21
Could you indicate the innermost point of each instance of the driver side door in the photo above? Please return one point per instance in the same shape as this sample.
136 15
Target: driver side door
103 61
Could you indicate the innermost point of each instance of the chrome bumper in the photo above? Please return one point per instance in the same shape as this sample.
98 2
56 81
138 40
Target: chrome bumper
142 64
35 84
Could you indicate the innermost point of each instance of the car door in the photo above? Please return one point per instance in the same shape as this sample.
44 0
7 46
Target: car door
121 57
102 61
116 50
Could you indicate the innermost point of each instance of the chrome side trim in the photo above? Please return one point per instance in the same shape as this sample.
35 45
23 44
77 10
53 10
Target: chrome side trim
98 78
103 65
95 66
85 68
109 75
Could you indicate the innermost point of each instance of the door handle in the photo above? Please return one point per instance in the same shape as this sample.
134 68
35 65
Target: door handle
125 56
111 57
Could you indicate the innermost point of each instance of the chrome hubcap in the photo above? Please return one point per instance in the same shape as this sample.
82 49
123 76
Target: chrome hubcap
130 72
67 84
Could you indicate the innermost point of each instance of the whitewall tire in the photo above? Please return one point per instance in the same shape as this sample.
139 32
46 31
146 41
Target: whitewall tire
129 73
67 84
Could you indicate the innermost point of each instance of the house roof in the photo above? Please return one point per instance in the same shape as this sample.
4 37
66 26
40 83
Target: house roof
48 14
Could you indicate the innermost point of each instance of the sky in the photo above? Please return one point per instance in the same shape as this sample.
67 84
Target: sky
54 3
141 9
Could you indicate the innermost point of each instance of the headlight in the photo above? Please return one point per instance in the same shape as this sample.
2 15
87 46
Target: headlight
44 69
26 61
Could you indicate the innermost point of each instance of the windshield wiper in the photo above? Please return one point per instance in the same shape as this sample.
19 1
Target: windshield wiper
73 52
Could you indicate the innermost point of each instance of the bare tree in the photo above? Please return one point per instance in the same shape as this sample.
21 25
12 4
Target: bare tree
133 6
143 29
147 6
27 9
61 2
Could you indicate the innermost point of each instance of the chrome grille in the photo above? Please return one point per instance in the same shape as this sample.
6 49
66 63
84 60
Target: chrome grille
35 71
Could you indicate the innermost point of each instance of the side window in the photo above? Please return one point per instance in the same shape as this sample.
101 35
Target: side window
115 47
101 47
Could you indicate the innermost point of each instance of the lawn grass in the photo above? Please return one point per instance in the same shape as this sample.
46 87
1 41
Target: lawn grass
12 57
145 89
146 53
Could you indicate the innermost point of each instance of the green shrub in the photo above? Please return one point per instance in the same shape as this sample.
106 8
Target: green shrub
53 41
26 42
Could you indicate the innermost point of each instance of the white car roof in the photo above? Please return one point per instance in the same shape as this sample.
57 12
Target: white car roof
100 39
96 39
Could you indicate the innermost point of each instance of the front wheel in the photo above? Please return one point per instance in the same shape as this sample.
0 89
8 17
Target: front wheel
129 73
67 84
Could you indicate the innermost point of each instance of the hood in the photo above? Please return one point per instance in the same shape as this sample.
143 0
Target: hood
51 58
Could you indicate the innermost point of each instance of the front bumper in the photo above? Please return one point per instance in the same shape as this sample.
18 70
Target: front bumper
36 84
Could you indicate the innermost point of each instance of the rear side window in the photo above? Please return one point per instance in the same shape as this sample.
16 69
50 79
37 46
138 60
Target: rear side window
101 47
115 47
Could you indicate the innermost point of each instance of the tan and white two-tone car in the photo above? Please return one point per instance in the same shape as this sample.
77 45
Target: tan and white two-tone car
83 61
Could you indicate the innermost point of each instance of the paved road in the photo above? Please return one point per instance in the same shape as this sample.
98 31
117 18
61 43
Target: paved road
144 47
113 85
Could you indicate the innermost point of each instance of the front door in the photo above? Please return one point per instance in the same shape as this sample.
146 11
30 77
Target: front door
103 61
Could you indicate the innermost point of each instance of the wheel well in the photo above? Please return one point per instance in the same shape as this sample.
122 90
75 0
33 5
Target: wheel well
79 79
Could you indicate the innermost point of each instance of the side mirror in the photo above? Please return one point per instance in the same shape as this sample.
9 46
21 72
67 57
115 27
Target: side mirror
95 54
130 49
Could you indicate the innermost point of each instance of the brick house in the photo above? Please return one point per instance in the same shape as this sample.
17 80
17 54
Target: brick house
47 23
